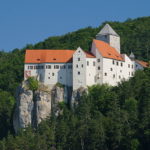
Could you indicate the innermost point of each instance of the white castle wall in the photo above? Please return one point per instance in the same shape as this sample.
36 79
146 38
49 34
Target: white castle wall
79 69
51 73
90 71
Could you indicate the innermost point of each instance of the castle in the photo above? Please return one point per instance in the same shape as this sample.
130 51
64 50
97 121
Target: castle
77 68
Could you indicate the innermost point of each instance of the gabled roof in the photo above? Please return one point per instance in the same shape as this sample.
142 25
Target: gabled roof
48 56
107 51
107 30
142 63
89 55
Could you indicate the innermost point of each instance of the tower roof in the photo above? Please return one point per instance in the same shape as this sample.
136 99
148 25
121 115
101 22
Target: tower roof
107 30
132 55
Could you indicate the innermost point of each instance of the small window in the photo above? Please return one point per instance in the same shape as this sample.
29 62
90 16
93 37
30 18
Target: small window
113 75
113 62
121 64
87 63
56 66
48 77
111 69
48 66
70 67
128 65
60 77
93 63
120 70
53 74
78 59
132 73
119 77
132 66
82 65
98 60
99 68
117 63
76 66
105 74
78 72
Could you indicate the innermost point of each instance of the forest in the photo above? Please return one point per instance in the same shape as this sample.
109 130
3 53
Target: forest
107 118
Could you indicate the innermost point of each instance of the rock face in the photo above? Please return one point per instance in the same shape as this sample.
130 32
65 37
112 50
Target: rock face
76 96
33 107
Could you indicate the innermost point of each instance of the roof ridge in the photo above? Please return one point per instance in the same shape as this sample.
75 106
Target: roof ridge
107 30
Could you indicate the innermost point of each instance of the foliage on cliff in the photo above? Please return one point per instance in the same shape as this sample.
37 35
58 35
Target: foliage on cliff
106 118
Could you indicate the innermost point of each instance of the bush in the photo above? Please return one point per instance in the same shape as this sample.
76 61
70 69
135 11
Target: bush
59 85
33 83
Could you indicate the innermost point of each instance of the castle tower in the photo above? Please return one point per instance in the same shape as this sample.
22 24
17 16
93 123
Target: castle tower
108 35
132 56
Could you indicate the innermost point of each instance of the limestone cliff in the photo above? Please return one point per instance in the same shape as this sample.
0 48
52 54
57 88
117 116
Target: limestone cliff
34 106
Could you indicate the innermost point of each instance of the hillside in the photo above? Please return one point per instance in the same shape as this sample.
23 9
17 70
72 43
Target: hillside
130 102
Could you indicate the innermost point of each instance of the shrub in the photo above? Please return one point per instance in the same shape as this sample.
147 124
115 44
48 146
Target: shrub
33 83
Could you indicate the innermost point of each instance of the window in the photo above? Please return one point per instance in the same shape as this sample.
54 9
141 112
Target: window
78 59
105 74
132 73
93 63
60 77
70 67
76 66
98 60
117 63
128 65
119 77
113 62
120 70
82 65
78 72
132 66
99 68
113 75
121 64
56 66
48 66
48 77
87 63
111 69
53 74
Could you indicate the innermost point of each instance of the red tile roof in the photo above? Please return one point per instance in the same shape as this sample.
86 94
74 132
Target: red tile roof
48 56
107 51
89 55
142 63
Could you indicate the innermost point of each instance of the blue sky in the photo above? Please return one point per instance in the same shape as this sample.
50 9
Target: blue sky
30 21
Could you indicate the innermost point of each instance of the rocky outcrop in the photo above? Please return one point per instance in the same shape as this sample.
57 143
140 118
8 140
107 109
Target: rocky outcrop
76 96
34 106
